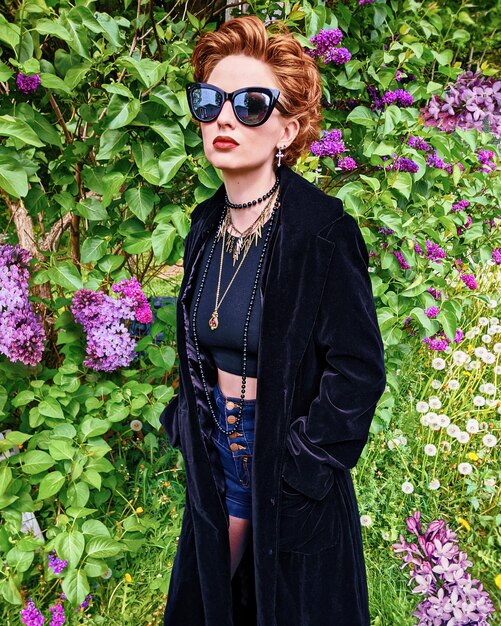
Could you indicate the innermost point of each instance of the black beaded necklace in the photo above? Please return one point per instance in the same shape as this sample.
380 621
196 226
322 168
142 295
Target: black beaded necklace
243 205
246 325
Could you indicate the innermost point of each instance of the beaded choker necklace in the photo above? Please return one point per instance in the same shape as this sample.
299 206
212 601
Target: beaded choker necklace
243 205
246 324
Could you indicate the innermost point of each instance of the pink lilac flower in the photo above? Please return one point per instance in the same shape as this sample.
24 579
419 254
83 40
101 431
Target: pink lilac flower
401 260
436 293
469 281
58 617
438 571
434 252
496 255
22 334
330 144
31 616
418 143
27 84
347 163
432 311
134 296
460 206
55 563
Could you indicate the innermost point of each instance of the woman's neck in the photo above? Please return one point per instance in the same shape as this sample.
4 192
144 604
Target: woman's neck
245 187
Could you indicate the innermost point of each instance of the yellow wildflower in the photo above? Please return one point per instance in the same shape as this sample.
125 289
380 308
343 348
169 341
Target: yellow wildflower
139 510
128 578
464 523
497 580
472 456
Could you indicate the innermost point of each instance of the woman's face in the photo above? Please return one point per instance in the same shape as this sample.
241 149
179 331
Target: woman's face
256 146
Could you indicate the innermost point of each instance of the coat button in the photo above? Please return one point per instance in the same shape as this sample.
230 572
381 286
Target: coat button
231 419
236 446
230 405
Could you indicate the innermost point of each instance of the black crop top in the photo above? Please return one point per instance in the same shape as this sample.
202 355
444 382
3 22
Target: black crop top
225 343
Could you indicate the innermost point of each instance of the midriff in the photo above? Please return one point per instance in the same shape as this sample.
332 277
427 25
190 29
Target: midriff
231 385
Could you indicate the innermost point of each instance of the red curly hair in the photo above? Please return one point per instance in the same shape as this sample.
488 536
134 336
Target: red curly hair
296 73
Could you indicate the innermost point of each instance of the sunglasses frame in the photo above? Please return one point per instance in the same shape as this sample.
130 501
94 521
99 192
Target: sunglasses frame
273 94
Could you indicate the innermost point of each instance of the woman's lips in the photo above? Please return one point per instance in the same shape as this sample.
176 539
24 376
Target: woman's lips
224 143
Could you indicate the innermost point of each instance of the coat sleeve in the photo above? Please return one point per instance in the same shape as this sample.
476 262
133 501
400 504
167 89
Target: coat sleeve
334 432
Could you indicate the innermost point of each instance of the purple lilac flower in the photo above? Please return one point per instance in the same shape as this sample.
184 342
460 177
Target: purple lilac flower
58 617
22 333
473 102
55 563
325 43
347 163
418 248
436 293
134 297
85 603
469 281
432 311
375 97
401 260
439 341
386 231
337 56
401 97
435 161
402 164
496 255
418 143
31 616
460 229
438 571
27 84
330 144
460 206
485 159
434 252
365 1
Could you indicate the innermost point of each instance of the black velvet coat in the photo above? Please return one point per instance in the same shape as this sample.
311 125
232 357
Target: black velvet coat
320 375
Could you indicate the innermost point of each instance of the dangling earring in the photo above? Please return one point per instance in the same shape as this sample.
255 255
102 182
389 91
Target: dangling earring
279 156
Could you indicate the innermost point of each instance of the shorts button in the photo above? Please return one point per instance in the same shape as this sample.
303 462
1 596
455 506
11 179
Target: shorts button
234 446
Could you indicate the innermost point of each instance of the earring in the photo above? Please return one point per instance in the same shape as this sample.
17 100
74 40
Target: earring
279 156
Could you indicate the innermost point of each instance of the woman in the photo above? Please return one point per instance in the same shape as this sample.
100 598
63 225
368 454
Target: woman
280 356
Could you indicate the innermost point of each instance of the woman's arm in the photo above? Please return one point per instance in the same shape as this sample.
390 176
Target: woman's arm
334 432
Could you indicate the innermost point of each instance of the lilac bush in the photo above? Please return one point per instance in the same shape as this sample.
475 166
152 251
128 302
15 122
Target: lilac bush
22 334
109 344
438 570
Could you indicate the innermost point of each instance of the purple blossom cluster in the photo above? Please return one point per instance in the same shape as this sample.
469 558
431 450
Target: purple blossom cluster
400 97
31 616
401 164
386 231
85 603
418 143
496 255
432 311
485 158
400 77
401 260
27 84
438 570
56 564
434 252
365 1
439 341
22 334
469 281
460 229
326 47
58 618
330 144
436 293
432 158
347 163
109 344
460 206
473 102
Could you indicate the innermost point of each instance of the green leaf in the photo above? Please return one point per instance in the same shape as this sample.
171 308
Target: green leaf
23 398
403 182
170 132
50 485
19 560
137 243
70 546
93 249
51 27
61 450
162 240
9 33
5 478
51 408
76 586
51 81
40 125
66 275
140 201
76 74
121 113
110 144
169 163
163 357
95 528
13 177
362 116
92 209
14 127
103 548
164 95
5 72
36 461
93 426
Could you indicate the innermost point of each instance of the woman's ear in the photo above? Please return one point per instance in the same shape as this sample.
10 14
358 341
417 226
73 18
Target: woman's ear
289 132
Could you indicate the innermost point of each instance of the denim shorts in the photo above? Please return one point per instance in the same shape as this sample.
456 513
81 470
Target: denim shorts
235 451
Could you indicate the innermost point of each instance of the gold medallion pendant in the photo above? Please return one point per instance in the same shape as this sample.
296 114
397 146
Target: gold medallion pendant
213 321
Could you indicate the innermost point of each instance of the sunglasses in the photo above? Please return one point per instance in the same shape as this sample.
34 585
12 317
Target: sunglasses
252 105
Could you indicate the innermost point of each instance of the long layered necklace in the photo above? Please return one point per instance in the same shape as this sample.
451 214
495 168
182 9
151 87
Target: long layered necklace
246 324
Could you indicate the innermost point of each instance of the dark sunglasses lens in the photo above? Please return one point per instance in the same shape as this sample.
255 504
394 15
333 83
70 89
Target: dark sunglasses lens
251 107
205 103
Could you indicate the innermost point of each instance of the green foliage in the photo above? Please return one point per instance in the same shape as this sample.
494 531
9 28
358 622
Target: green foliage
99 171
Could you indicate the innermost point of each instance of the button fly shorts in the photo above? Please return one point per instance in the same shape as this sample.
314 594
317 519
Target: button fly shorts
235 451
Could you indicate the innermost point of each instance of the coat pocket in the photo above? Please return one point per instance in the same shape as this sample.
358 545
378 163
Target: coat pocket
308 525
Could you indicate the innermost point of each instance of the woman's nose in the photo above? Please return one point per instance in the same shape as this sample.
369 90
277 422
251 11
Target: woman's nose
227 116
